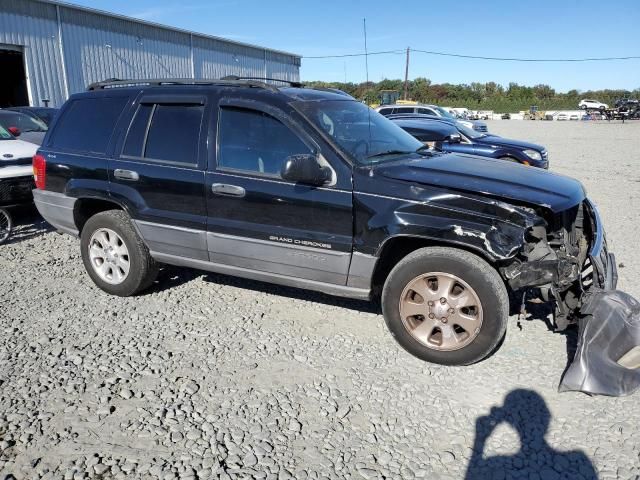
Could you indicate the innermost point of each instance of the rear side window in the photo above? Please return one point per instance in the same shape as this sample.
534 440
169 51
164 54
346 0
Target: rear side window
385 111
403 110
87 124
166 133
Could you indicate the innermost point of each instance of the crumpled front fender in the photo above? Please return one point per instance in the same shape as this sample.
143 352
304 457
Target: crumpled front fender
607 361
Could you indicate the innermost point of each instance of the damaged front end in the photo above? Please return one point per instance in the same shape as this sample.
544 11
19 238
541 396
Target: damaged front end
568 260
564 258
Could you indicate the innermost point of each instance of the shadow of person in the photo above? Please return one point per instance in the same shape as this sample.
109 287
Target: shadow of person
527 412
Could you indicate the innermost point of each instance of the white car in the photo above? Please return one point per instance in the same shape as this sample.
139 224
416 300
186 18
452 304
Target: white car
15 156
587 104
561 116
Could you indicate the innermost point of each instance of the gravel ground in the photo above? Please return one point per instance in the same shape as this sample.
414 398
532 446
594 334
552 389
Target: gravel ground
207 376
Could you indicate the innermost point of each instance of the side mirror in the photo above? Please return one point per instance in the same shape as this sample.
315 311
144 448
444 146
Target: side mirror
15 131
454 138
305 168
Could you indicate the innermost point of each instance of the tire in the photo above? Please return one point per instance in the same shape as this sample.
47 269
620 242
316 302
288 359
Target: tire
141 269
583 107
480 279
6 225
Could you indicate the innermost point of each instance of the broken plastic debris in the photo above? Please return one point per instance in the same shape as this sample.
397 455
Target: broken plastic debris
607 361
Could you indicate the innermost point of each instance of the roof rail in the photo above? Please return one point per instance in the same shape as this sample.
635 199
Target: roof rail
117 82
266 79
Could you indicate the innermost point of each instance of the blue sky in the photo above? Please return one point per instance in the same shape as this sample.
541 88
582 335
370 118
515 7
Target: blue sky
498 28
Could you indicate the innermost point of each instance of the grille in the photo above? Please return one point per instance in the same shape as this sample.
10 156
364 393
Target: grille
16 190
15 162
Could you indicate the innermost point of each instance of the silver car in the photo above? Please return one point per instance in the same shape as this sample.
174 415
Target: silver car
434 110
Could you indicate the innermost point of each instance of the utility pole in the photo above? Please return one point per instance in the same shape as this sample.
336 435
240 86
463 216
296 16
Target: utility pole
406 76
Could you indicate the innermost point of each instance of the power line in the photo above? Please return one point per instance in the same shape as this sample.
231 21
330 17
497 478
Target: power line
360 54
478 57
508 59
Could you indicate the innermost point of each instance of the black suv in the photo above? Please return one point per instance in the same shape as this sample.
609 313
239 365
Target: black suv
309 188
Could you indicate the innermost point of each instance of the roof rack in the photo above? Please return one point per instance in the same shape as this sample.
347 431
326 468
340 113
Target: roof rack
266 79
248 82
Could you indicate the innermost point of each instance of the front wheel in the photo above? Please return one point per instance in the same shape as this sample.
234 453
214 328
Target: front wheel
115 257
6 225
445 306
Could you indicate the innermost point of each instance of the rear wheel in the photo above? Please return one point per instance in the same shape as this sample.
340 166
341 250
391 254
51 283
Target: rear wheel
115 257
6 225
445 306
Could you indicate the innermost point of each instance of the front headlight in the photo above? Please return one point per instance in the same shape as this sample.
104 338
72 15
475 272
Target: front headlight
533 154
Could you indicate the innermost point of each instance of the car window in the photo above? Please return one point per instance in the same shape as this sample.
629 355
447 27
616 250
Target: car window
404 110
22 121
87 124
4 135
426 111
254 141
171 131
386 111
134 144
174 133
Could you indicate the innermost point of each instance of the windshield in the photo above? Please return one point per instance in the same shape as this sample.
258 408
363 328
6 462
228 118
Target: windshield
4 135
24 122
445 113
361 132
469 132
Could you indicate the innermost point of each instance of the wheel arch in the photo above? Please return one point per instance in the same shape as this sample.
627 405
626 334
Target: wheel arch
396 248
87 207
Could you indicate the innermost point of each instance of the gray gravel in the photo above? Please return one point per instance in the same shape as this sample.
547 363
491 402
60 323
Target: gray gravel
208 376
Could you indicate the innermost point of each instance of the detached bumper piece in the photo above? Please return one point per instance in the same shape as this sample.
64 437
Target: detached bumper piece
607 361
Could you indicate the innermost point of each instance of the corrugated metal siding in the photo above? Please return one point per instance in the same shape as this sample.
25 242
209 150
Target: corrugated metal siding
97 47
33 26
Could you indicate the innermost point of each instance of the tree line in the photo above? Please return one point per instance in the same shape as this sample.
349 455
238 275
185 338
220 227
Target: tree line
479 96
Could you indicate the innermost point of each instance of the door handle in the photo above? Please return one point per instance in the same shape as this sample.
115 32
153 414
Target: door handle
126 174
227 190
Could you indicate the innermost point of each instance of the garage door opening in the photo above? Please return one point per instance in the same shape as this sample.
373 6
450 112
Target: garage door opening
13 80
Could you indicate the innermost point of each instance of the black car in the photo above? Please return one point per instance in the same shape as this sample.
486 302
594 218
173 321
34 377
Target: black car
312 189
452 137
44 114
24 126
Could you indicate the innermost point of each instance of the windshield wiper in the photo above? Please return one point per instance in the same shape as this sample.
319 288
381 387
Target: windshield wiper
390 152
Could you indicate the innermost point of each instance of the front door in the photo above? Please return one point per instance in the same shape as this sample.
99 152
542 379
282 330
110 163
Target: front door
260 222
158 174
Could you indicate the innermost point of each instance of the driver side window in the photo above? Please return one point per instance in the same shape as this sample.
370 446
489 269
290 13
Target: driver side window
253 141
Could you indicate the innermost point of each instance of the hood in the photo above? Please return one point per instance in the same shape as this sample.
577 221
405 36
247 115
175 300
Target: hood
16 149
497 178
508 142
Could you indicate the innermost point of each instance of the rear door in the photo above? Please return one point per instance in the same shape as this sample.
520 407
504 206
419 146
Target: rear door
158 173
259 221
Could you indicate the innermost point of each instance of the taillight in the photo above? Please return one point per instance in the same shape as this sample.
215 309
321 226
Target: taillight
40 171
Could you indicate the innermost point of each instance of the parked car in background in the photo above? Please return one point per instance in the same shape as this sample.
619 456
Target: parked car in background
574 116
16 176
44 114
24 126
592 105
448 137
561 116
433 110
505 116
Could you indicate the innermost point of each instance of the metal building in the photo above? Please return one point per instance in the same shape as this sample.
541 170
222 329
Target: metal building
50 49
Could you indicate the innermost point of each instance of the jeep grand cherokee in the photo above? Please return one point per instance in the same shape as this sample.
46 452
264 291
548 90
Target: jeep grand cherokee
309 188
